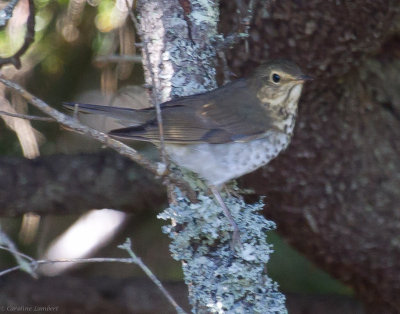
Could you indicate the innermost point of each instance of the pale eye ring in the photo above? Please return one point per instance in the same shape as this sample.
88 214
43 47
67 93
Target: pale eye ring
276 78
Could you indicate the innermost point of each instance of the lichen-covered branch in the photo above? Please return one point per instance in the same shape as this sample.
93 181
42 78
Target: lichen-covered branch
222 280
181 64
179 56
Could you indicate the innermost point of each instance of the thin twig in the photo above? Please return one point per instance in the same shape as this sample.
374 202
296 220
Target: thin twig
20 257
87 260
26 117
132 260
36 263
2 247
243 26
29 39
128 248
10 270
117 59
164 158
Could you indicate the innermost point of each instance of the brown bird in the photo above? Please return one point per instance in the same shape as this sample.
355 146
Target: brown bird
227 132
224 133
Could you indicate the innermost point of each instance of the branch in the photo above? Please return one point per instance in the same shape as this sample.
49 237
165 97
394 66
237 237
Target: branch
128 248
117 59
182 60
63 184
33 264
245 17
203 245
36 263
135 296
26 117
24 261
29 39
74 125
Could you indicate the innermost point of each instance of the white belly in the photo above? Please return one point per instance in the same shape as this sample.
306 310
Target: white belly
219 163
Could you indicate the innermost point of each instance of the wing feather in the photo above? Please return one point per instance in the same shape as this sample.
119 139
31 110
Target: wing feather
228 114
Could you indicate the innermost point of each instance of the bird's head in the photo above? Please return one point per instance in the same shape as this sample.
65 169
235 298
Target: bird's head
278 80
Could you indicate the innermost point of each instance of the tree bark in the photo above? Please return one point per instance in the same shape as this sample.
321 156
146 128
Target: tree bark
335 192
72 184
123 295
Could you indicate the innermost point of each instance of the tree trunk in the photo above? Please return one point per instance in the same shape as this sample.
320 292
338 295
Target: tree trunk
335 191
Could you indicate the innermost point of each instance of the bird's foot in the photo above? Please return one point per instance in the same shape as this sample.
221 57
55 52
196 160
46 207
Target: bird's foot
235 242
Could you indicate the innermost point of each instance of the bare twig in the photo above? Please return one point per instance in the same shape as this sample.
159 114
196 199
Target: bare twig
127 246
26 117
74 125
36 263
14 252
117 59
243 25
24 261
29 39
242 32
10 270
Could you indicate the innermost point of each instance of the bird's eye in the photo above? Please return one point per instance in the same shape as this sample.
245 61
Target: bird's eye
276 78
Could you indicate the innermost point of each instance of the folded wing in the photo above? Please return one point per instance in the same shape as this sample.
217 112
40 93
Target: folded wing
216 117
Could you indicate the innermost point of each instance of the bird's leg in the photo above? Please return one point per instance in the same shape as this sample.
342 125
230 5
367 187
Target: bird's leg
236 234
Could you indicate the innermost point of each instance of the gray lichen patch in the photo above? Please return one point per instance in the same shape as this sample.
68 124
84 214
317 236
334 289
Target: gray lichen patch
220 279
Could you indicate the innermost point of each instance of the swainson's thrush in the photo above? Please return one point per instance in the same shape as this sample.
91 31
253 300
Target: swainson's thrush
227 132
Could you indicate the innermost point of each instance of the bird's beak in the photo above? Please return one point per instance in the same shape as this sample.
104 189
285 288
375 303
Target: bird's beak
303 78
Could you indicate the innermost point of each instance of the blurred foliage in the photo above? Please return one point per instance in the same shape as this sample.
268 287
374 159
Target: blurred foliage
59 66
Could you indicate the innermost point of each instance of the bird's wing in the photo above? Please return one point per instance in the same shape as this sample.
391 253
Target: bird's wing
228 114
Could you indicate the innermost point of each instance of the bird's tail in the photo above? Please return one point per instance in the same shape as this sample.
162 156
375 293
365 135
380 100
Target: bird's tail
133 116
